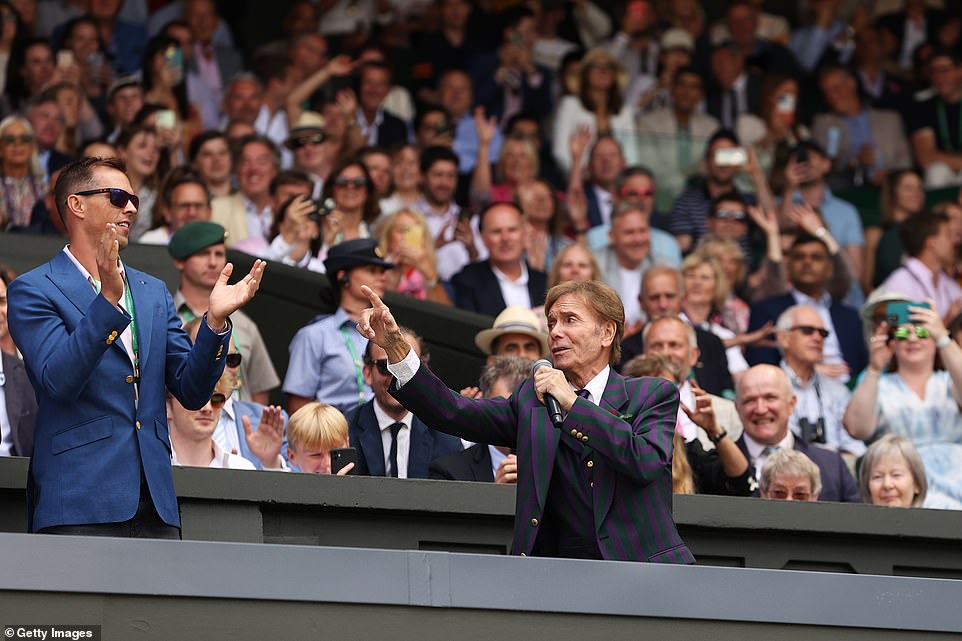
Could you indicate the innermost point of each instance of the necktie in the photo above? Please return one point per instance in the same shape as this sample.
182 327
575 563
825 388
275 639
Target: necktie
768 451
583 393
392 456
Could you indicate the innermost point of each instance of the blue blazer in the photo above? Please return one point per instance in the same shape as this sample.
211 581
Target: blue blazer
92 443
847 324
253 411
426 444
476 288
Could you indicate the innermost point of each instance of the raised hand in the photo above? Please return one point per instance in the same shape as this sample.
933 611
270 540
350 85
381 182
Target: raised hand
486 127
226 299
346 101
578 142
548 380
267 441
340 65
702 415
108 253
378 324
879 349
766 220
806 217
928 318
507 471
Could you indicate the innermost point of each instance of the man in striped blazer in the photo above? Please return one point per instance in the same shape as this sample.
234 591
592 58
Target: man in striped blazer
597 485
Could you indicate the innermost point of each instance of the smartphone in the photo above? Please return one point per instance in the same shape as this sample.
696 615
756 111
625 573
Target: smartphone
785 103
465 214
897 313
413 236
443 127
341 456
731 157
64 58
166 119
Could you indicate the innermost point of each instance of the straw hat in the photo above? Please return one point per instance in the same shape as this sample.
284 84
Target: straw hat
513 320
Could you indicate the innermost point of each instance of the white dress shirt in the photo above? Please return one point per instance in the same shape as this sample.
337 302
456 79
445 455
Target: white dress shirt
756 450
221 460
6 430
515 292
384 422
225 434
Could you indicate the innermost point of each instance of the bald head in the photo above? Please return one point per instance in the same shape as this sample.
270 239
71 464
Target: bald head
765 401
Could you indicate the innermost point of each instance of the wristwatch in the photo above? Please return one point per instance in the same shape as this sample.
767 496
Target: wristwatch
714 438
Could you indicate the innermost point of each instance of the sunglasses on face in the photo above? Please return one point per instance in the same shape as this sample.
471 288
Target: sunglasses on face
730 214
217 400
903 333
118 197
9 139
808 330
359 183
637 193
233 360
380 365
316 139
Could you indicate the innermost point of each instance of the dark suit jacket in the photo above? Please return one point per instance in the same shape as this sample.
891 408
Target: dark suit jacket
630 436
594 208
391 132
426 444
56 160
476 288
21 405
753 94
711 370
837 482
489 94
894 23
848 327
472 464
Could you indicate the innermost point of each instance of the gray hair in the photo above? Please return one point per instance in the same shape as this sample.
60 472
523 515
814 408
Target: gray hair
513 370
790 463
893 444
692 337
786 320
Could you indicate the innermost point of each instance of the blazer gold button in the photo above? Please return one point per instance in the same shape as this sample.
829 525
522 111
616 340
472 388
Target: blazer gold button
534 522
129 379
137 424
574 432
584 439
109 341
591 463
523 554
579 435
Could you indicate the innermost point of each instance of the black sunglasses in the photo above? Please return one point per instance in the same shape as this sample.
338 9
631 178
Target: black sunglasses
9 139
233 360
808 330
730 214
316 139
341 181
118 197
217 400
381 365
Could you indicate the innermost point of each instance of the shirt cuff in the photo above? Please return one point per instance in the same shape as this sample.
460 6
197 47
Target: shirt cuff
226 329
405 370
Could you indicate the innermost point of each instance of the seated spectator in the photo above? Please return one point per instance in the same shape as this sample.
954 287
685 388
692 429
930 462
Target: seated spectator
296 234
125 98
827 37
378 127
377 161
325 361
183 199
390 441
878 86
165 84
910 27
634 44
515 332
759 36
23 180
820 400
505 278
574 262
934 128
809 270
313 153
191 436
448 47
456 95
903 196
199 255
600 106
123 41
930 251
707 423
247 213
47 119
765 402
398 101
313 431
735 94
18 404
30 68
598 189
433 126
405 180
782 129
672 140
915 400
790 476
676 50
545 223
80 120
355 203
138 147
733 312
480 462
210 156
405 240
863 143
528 127
892 473
661 294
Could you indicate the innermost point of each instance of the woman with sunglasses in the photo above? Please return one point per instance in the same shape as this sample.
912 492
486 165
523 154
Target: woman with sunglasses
355 204
917 397
22 179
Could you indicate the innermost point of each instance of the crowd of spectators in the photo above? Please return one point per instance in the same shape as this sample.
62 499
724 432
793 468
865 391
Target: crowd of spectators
775 197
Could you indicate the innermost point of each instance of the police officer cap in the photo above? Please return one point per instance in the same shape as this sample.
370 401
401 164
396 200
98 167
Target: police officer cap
352 253
193 237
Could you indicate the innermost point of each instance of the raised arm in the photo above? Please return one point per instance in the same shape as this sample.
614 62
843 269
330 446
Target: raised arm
861 415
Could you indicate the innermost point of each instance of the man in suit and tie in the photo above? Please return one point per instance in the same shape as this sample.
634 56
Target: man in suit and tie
595 484
379 127
18 405
390 440
505 278
103 347
765 402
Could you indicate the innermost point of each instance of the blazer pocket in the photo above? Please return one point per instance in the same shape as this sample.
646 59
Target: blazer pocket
665 555
163 434
83 434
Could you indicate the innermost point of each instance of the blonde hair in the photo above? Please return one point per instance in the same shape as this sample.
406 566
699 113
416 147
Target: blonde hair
712 244
526 147
34 168
602 300
388 224
555 277
317 426
696 260
790 463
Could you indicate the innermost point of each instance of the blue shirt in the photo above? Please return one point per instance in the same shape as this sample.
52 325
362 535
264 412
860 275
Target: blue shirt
322 365
664 248
466 144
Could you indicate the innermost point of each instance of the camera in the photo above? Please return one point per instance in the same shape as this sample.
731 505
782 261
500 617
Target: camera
324 208
812 432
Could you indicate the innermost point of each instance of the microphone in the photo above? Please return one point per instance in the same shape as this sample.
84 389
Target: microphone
554 409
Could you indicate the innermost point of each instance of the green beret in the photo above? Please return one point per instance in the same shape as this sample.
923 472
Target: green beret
193 237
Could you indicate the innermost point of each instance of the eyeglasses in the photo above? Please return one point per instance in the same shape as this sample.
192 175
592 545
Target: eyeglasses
730 214
316 139
903 333
218 400
637 193
808 330
359 183
118 197
233 360
24 139
380 365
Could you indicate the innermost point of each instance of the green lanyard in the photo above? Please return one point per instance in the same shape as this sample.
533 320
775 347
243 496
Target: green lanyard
358 365
129 305
189 316
944 126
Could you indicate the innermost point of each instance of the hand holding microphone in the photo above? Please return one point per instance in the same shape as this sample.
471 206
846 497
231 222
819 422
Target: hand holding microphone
553 390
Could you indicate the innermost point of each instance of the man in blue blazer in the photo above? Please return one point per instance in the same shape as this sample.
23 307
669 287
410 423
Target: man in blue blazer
765 401
103 346
809 268
390 441
595 481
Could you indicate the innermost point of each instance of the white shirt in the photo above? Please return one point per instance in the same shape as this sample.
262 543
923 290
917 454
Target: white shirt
453 255
605 203
596 386
221 460
496 458
6 430
629 287
756 450
225 434
258 221
384 422
515 292
274 126
686 397
369 129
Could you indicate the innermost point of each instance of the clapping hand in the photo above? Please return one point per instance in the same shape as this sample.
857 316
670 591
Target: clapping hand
108 252
702 415
266 442
226 299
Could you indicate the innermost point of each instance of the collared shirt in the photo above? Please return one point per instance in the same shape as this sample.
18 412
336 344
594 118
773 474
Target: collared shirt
205 57
258 220
734 101
220 459
274 126
225 434
496 457
832 350
453 255
6 429
629 288
916 281
756 450
369 129
466 143
859 133
515 292
384 423
606 203
822 398
321 365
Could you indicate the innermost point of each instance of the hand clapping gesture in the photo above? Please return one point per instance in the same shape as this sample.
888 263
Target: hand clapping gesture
267 441
226 299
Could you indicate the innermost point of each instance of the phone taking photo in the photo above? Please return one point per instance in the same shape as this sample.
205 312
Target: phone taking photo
341 456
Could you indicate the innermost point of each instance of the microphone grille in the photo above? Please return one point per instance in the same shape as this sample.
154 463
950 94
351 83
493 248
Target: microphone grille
538 364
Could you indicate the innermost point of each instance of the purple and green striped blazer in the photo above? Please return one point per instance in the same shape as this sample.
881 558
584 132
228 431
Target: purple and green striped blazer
630 433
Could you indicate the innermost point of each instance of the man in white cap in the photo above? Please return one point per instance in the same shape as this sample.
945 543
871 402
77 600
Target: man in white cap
515 332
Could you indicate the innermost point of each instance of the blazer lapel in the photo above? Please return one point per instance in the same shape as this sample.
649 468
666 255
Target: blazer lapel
68 279
492 291
17 392
615 398
370 440
419 451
